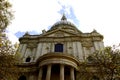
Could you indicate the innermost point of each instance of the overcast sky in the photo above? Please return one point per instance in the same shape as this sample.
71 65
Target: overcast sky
35 15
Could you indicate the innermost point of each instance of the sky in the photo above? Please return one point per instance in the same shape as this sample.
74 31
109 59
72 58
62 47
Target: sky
33 16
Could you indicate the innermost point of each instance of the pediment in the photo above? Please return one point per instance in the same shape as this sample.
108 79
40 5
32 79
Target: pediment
58 33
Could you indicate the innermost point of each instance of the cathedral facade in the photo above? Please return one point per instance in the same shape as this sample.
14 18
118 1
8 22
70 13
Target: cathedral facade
57 54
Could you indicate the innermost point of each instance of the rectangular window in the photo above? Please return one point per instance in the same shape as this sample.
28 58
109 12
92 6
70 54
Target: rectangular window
58 47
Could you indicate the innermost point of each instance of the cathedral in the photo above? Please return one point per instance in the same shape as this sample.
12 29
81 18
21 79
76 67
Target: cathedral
57 54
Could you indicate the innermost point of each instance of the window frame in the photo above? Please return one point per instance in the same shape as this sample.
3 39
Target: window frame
59 47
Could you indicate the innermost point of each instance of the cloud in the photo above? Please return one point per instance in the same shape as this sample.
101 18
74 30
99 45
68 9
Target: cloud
12 38
33 15
101 15
20 34
36 15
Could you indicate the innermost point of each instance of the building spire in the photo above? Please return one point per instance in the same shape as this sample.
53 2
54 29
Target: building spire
63 17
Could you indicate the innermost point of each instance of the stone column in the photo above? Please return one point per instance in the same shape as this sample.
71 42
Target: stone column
61 72
40 74
48 75
72 75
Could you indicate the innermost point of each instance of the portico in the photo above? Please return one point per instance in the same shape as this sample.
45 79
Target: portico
55 69
59 74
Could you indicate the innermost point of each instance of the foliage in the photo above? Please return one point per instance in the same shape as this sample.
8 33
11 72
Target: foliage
5 14
107 62
8 58
7 50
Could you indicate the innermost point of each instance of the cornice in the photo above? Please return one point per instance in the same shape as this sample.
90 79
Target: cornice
57 57
60 39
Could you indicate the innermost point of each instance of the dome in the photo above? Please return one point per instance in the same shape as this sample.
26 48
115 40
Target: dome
64 24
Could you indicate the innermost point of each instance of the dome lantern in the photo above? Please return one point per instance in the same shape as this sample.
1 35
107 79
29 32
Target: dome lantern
63 17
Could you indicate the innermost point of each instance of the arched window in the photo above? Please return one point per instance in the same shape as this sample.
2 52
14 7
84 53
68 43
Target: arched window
22 78
59 47
28 59
90 59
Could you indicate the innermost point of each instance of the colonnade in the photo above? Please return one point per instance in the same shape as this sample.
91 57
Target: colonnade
62 73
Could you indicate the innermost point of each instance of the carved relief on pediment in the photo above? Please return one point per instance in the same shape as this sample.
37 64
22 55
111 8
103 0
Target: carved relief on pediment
59 34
